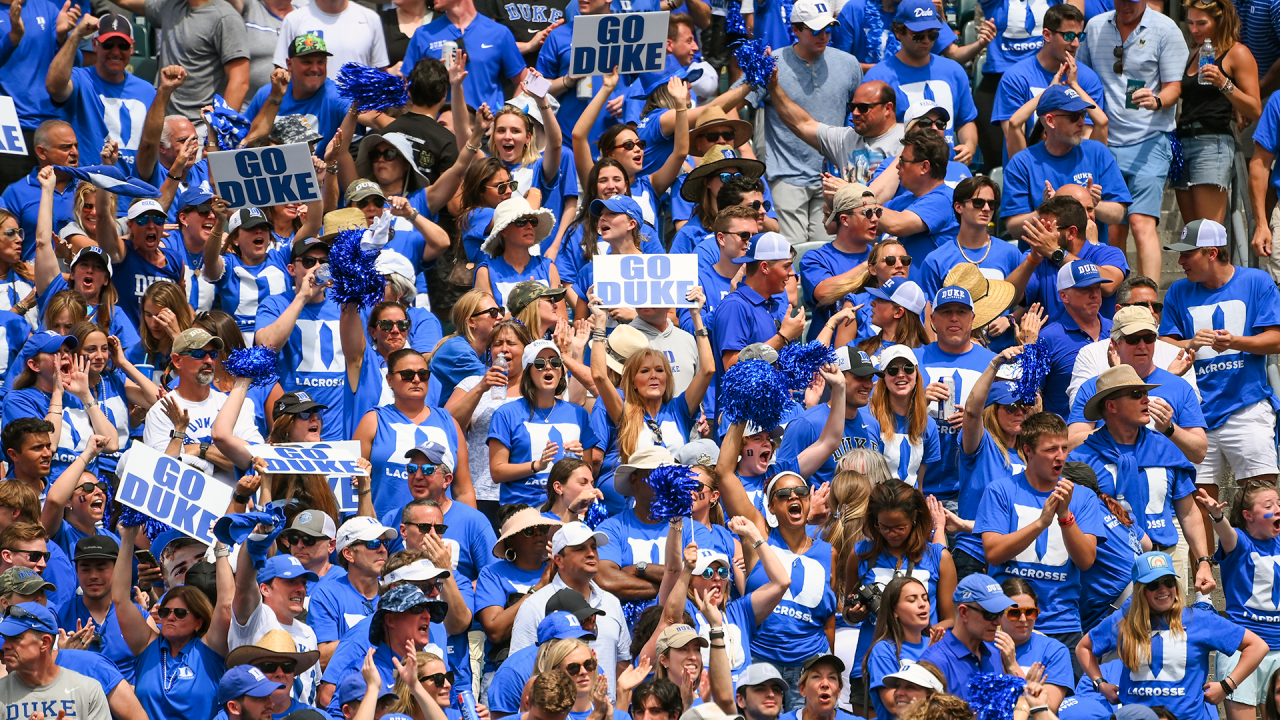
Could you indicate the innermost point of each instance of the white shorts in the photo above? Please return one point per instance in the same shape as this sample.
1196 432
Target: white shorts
1246 443
1253 691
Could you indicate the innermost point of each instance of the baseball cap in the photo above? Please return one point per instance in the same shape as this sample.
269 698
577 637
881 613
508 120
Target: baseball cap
46 342
761 673
23 581
193 196
161 541
112 25
561 625
297 402
574 534
766 246
361 189
399 599
353 687
571 601
315 524
916 675
1200 234
527 291
308 44
984 591
302 245
28 616
953 294
433 452
1133 320
897 352
1003 392
533 349
145 206
246 219
1061 97
244 680
97 547
194 339
624 204
1152 565
651 81
361 528
850 197
918 15
817 16
835 662
293 128
708 557
921 107
287 567
703 451
855 361
416 571
678 636
1078 274
93 252
905 293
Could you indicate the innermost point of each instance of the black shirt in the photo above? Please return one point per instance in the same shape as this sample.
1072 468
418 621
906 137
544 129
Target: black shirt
524 19
434 148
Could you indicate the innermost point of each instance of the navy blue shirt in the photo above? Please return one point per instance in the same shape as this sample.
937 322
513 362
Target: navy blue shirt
1064 340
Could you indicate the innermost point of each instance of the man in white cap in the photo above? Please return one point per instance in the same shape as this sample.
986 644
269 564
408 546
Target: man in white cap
761 691
311 538
1080 284
576 558
342 602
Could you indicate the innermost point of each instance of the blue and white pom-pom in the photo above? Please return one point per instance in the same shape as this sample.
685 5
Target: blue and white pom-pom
354 271
798 362
595 514
1034 368
673 487
753 391
992 695
259 363
229 126
371 89
757 65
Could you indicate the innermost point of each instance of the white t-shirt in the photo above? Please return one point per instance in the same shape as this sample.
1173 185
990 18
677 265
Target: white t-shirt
1091 361
854 156
264 620
202 414
353 35
478 439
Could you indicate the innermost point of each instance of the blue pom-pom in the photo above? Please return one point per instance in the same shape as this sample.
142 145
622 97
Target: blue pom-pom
798 362
632 611
371 89
734 22
757 65
1177 162
1034 364
752 391
229 126
992 695
258 363
595 514
673 487
355 274
150 526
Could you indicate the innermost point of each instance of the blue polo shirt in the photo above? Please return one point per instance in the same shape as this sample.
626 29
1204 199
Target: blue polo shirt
821 264
854 33
935 209
861 430
23 74
964 369
22 198
1027 171
1043 286
555 60
943 81
1064 340
1267 134
324 110
492 55
958 663
94 121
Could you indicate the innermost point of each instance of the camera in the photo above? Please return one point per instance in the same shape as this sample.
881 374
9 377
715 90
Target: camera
868 596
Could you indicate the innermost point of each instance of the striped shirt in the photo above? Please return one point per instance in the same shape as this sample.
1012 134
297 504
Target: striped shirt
1154 53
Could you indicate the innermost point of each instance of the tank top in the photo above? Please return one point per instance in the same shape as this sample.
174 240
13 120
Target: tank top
503 277
1205 109
396 435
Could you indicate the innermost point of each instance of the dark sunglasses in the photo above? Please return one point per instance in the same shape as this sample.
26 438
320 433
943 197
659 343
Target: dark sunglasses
1147 338
503 187
268 667
437 679
725 137
117 45
1014 613
387 325
307 414
631 145
1071 117
709 573
1069 36
426 469
988 616
89 487
542 363
493 312
179 613
145 220
389 154
300 539
200 354
524 221
758 204
204 210
800 491
1136 394
928 123
980 203
535 531
366 202
892 260
372 545
1154 307
727 176
575 668
33 555
744 236
1168 582
423 375
310 262
1118 54
929 35
426 528
905 368
864 107
872 213
1017 407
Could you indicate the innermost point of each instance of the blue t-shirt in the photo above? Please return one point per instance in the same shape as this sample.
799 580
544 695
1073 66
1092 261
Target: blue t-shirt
674 422
492 55
133 275
113 647
22 197
860 431
1087 703
1065 339
963 369
524 429
24 70
555 59
556 189
1027 78
1043 286
997 262
958 664
886 659
1019 31
793 632
1027 171
98 110
242 289
854 33
336 607
1173 390
1011 504
976 472
1250 582
743 317
1052 654
943 81
939 216
658 147
1267 134
1246 305
1112 570
881 570
507 686
397 435
817 265
453 362
311 359
76 427
904 456
503 277
1179 665
185 686
91 665
324 110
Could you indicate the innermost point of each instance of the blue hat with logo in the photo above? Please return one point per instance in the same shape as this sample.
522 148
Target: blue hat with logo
1153 565
244 680
561 625
766 246
1061 97
1078 274
624 204
46 342
28 616
900 291
1002 392
352 689
194 195
952 294
163 539
984 591
287 567
918 15
653 80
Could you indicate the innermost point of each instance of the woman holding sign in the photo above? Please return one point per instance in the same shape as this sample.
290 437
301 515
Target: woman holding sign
517 229
244 270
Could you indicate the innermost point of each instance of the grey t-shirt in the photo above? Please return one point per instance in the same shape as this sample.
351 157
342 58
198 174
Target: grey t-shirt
823 89
202 40
262 30
81 697
855 157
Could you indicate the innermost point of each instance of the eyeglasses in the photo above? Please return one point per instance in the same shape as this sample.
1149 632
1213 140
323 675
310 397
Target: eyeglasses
300 539
503 187
892 260
524 221
905 368
800 491
178 613
709 573
631 145
1168 582
1014 613
1154 307
493 312
268 667
145 220
374 201
981 203
437 679
34 556
371 544
927 35
575 668
744 236
1071 117
725 137
1145 338
117 45
89 487
911 161
426 528
928 123
872 213
988 616
757 204
425 469
310 262
387 325
388 155
542 363
727 176
200 354
862 108
14 232
1070 36
1118 54
423 375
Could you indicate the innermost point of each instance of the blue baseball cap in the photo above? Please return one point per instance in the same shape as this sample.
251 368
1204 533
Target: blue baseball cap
766 246
28 616
193 196
952 294
433 452
1061 97
352 689
244 680
918 15
1078 274
624 204
901 292
287 567
1002 392
984 591
653 80
1147 567
561 625
163 539
46 342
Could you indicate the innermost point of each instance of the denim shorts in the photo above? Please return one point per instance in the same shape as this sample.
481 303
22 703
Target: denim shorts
1145 167
1208 160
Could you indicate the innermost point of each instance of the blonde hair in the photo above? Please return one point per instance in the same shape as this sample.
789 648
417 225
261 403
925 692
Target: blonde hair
463 309
83 191
868 462
843 528
552 653
917 418
991 422
633 410
530 154
404 698
169 296
1134 643
1226 22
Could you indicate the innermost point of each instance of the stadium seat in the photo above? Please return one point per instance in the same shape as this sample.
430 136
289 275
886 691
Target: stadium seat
144 67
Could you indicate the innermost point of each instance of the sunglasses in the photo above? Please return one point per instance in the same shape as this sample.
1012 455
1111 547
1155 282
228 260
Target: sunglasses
1135 394
575 668
89 487
493 312
631 145
981 203
373 545
1071 117
437 679
200 354
800 491
744 236
503 187
117 45
307 414
386 325
33 555
179 613
524 221
14 611
929 35
426 528
542 363
727 176
928 123
388 155
988 616
310 262
427 469
370 201
725 137
1020 613
535 531
14 232
1017 407
1154 307
1168 582
268 667
300 539
1070 36
709 573
872 213
1118 54
202 210
1146 338
864 107
904 368
892 260
423 375
145 220
757 204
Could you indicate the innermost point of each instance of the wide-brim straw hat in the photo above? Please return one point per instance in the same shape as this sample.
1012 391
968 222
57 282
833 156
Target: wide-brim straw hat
341 220
717 158
990 297
512 209
275 644
1111 381
621 344
650 458
713 116
526 518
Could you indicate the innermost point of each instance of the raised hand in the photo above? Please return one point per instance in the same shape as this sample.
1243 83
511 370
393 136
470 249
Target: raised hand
76 379
176 414
610 81
67 19
172 77
634 675
16 28
1182 363
47 177
87 26
1215 509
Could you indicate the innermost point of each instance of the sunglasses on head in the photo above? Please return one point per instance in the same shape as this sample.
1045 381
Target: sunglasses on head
200 354
14 611
1154 307
631 145
310 262
575 668
524 221
800 491
14 232
426 528
1069 36
387 325
727 176
437 679
502 187
145 220
375 201
301 539
493 312
892 260
988 616
758 204
980 203
179 613
268 667
1147 338
89 487
862 108
709 573
1014 613
1118 54
426 469
388 155
721 137
542 363
904 368
927 35
423 375
1168 582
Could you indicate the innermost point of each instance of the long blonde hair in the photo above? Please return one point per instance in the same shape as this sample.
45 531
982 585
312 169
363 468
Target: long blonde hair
531 153
633 410
917 419
1134 644
991 422
463 309
850 493
404 702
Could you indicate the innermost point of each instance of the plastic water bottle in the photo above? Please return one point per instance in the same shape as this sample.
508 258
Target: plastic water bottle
499 392
1206 58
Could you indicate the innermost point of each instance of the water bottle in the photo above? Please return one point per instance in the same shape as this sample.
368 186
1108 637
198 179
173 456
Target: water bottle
1206 58
499 392
323 274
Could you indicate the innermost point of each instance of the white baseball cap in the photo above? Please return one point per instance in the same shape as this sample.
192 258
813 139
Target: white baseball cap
533 349
360 529
816 14
146 206
414 572
916 675
706 557
897 352
766 246
574 534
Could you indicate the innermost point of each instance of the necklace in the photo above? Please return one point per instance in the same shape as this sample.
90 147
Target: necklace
169 680
979 260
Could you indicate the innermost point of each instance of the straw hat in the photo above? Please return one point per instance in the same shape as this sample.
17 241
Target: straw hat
713 116
717 158
512 209
339 220
275 644
526 518
1110 382
649 458
622 343
990 297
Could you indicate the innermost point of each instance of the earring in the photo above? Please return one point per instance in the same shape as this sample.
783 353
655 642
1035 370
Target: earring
510 554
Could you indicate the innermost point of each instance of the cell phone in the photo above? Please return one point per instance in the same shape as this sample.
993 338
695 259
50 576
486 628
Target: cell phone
537 86
1129 90
145 557
462 46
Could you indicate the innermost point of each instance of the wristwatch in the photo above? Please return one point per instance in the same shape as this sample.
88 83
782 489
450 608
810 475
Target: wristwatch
204 448
1057 257
702 332
1169 431
641 567
174 434
1097 684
